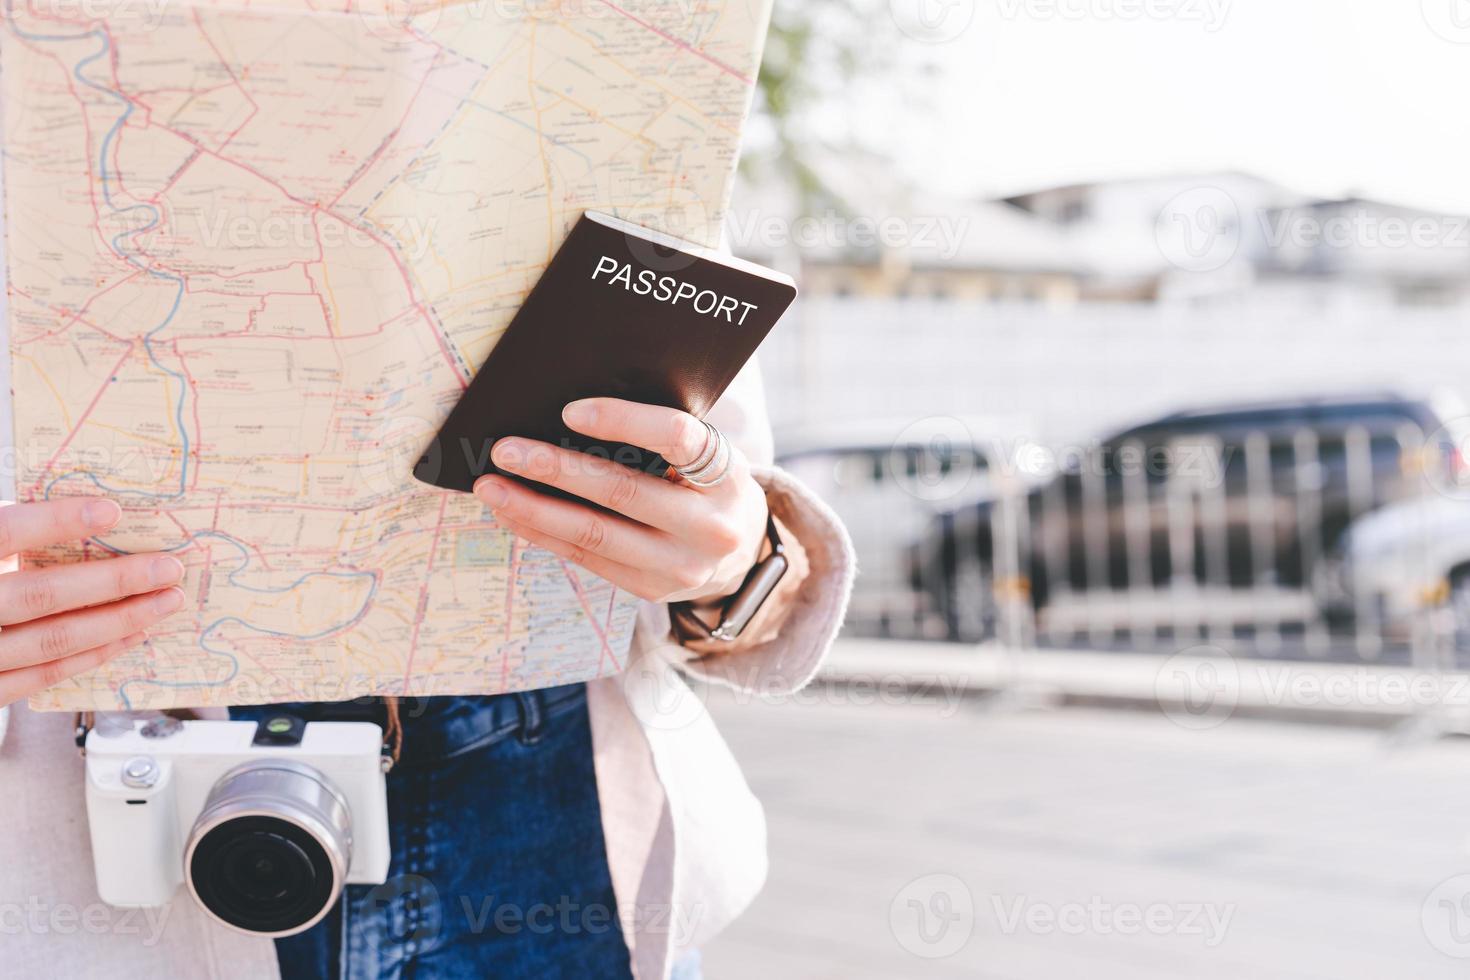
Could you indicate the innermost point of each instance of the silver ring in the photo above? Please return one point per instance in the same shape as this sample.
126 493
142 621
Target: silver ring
712 464
707 450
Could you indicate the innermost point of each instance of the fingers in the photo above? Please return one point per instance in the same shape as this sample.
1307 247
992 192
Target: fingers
25 596
58 637
27 526
676 436
17 684
647 499
628 579
591 531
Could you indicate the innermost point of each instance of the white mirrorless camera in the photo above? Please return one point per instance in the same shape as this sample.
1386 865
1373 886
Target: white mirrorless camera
263 822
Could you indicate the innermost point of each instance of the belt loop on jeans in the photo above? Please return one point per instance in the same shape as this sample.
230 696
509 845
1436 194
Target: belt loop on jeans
392 728
529 705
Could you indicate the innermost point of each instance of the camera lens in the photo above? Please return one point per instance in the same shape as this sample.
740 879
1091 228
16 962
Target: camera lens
270 849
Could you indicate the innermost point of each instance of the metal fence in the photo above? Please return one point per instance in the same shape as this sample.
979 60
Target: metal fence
1310 543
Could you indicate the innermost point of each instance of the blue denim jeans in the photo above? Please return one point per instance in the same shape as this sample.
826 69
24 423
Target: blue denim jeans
499 867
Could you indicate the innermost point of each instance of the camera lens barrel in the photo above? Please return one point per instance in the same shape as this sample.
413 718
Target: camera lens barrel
270 850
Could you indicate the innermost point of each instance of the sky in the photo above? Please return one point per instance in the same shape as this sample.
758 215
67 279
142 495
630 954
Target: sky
1349 96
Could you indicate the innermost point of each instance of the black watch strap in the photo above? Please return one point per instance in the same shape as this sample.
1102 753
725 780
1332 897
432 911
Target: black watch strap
740 608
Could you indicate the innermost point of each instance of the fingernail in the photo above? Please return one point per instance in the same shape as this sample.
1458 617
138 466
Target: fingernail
579 414
508 453
165 570
492 492
101 514
168 601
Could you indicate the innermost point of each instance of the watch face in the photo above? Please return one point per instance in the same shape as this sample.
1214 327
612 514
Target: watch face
752 595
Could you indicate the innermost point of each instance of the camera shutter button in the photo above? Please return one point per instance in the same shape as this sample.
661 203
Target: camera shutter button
140 772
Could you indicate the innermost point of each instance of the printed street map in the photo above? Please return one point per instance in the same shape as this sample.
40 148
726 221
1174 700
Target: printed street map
255 253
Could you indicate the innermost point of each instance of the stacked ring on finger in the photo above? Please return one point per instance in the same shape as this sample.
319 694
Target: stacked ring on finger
711 466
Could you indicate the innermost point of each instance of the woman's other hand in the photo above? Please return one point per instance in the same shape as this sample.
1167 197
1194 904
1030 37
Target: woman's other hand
66 619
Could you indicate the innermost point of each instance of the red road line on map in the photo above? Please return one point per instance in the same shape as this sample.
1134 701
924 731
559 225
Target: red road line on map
254 108
387 141
77 316
591 617
418 618
80 419
682 45
392 256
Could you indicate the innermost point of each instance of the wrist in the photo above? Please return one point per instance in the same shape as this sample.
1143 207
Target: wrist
746 558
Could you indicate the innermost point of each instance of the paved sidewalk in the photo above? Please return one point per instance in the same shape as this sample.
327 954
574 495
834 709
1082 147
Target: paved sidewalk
1079 842
1200 679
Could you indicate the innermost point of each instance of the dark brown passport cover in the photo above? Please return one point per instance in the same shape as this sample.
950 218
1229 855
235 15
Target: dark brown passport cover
588 328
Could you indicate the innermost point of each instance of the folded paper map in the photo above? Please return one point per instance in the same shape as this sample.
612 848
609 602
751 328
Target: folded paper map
255 253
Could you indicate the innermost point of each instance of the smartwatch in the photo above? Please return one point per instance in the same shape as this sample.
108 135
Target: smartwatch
740 608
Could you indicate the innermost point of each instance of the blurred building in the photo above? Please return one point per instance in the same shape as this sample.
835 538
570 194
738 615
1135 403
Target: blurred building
1187 238
1090 306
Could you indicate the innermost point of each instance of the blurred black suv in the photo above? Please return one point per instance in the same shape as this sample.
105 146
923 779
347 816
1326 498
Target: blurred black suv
1235 497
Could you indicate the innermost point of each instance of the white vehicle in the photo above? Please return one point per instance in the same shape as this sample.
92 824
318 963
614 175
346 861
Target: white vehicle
887 479
1400 559
264 822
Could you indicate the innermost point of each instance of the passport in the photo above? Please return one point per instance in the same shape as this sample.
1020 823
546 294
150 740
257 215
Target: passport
621 311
